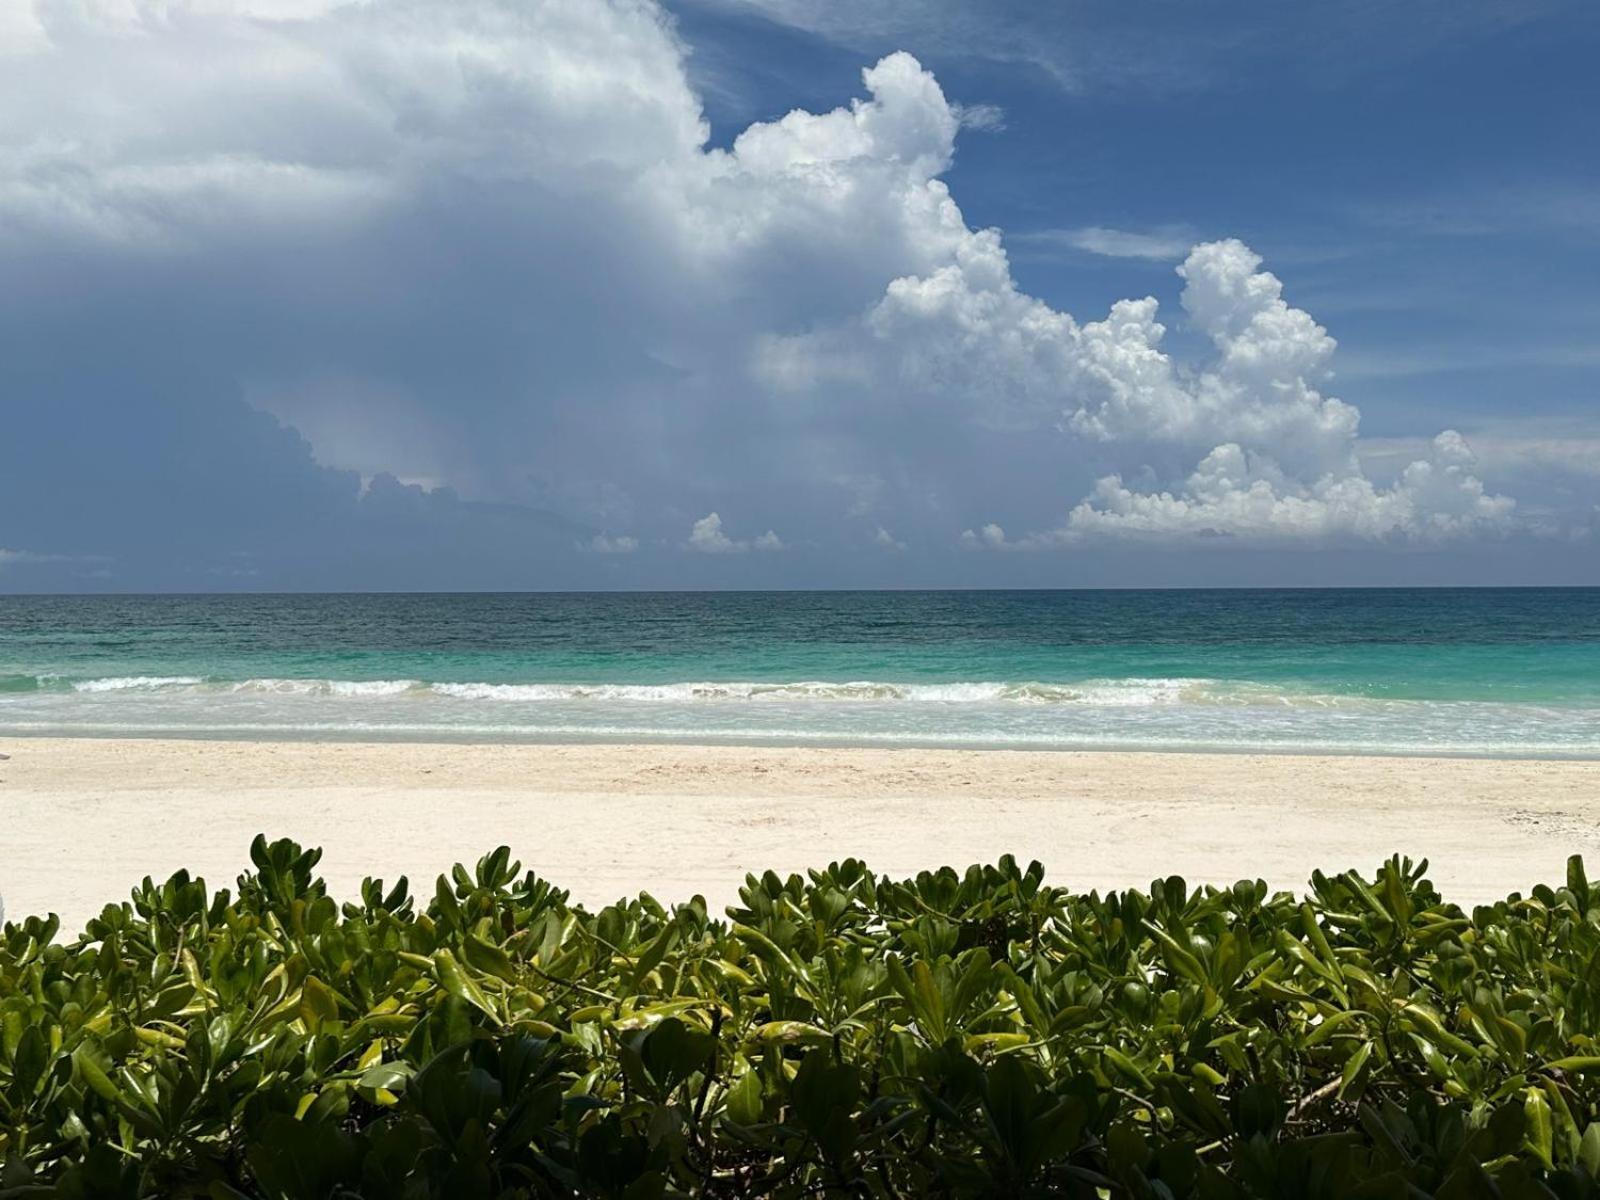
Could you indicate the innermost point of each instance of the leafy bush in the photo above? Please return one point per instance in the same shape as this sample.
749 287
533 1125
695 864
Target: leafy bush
844 1035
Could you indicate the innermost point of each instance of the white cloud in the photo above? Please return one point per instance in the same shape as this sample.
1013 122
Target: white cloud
1281 463
383 170
1247 499
1511 449
707 538
989 118
1290 471
309 107
806 306
1167 244
20 29
900 140
881 537
990 537
1260 390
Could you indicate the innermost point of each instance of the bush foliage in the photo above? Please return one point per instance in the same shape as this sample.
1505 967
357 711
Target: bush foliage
962 1035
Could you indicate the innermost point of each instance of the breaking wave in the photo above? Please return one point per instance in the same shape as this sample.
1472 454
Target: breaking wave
136 683
1149 712
323 687
1129 692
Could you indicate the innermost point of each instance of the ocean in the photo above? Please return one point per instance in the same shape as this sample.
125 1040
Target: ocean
1397 671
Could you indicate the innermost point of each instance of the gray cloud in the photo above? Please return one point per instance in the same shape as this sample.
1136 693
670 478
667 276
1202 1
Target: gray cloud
410 294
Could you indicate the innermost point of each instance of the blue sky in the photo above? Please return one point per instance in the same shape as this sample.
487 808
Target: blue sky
591 293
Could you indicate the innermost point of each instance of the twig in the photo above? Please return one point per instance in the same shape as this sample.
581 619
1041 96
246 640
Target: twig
579 987
1322 1093
705 1088
1154 1112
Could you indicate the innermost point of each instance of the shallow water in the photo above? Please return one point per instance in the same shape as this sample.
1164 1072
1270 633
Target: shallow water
1480 671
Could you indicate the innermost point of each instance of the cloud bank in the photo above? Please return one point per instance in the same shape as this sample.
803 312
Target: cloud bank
492 244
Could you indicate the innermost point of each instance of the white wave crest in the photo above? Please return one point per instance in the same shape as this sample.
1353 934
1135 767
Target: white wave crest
1120 692
1095 693
683 693
131 683
328 687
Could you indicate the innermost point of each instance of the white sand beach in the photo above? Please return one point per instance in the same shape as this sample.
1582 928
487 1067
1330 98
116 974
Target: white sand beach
81 820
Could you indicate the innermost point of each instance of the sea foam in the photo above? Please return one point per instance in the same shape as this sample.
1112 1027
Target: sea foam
131 683
1118 693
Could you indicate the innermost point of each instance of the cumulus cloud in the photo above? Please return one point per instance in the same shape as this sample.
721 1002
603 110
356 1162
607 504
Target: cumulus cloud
114 135
990 537
489 243
1243 499
1292 472
1548 450
1282 463
883 539
706 537
1233 494
387 174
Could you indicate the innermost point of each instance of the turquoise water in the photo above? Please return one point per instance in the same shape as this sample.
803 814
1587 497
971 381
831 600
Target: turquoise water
1481 671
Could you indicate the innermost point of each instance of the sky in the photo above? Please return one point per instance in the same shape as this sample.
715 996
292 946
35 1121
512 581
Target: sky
522 294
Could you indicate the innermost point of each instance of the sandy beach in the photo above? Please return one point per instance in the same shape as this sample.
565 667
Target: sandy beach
84 819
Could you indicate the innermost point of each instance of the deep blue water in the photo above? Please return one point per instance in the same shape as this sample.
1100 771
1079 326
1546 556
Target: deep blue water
1486 671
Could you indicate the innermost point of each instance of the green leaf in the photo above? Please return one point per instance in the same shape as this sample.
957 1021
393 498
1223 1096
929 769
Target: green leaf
390 1076
1578 1064
28 1062
459 984
488 958
744 1101
1130 1069
1540 1126
823 1095
318 1003
1181 960
1589 1150
1348 1078
1578 882
928 1001
91 1068
652 957
791 1031
1331 1025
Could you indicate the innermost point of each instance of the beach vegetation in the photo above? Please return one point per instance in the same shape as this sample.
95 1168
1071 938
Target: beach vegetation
841 1034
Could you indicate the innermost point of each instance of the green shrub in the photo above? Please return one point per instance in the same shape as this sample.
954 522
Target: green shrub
844 1035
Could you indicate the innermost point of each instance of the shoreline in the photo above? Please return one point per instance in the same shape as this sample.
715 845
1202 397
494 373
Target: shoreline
86 818
479 738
